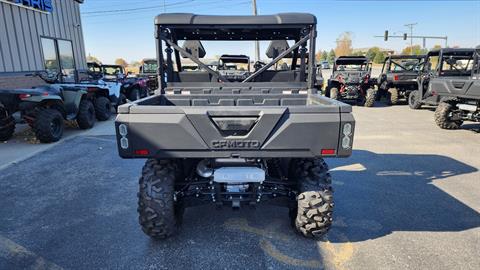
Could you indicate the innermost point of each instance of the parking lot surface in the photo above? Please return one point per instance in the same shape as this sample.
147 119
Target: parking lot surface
408 198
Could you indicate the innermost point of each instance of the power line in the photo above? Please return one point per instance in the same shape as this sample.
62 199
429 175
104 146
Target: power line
139 8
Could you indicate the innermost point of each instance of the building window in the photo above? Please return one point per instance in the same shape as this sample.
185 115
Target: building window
50 56
67 62
59 58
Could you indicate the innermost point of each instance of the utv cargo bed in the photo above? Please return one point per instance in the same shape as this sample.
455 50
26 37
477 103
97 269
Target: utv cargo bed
223 126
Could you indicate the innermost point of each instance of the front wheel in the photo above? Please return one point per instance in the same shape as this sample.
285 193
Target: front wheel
159 214
444 117
48 125
393 96
86 114
314 212
103 108
7 124
414 100
370 98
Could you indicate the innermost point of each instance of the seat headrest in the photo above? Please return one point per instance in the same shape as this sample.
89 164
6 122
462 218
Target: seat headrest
277 47
195 48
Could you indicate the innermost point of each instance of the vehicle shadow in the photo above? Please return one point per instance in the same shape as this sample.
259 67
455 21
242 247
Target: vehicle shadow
472 127
383 193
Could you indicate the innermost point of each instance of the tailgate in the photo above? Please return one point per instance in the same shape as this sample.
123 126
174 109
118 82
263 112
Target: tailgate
203 132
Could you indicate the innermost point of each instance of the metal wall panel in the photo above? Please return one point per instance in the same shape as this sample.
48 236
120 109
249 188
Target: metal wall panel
21 30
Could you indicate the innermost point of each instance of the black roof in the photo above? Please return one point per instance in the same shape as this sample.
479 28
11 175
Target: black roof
352 59
236 58
277 19
405 56
452 51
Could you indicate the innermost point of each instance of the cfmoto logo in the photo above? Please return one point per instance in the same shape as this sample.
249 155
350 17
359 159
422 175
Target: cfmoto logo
235 144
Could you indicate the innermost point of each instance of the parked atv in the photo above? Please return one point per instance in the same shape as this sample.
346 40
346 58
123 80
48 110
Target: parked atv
399 77
441 66
460 90
351 81
46 107
132 88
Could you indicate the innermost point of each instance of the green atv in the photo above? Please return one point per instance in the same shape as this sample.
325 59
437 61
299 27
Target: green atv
45 108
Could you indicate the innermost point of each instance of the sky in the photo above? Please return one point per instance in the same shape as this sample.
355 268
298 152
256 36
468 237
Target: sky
124 28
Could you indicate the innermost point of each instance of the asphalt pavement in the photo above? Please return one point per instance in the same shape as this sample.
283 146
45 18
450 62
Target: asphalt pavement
408 198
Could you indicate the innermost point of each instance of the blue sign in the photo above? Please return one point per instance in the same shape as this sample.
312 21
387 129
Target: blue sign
43 5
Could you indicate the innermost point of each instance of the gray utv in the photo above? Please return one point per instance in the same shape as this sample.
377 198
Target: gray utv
210 139
440 67
460 90
351 81
399 77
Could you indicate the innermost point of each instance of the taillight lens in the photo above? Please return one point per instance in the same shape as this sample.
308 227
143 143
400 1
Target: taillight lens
395 78
24 96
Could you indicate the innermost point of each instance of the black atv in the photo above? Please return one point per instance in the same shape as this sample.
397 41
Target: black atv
44 108
399 77
351 81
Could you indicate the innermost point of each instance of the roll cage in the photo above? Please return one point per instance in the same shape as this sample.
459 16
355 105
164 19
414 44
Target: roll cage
444 62
363 62
170 28
393 60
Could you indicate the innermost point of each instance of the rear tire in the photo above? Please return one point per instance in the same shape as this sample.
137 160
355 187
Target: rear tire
393 96
334 93
7 124
103 108
370 98
86 114
159 215
443 118
48 125
315 201
414 100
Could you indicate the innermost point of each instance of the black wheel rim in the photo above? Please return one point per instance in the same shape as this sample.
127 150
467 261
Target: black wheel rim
56 127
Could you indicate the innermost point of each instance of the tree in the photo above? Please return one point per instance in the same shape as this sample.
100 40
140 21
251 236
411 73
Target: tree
379 57
437 47
321 56
372 53
121 62
324 56
318 56
416 49
344 44
91 58
135 64
331 56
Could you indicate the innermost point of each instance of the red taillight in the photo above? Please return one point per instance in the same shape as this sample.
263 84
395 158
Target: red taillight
142 152
45 94
395 78
24 96
328 152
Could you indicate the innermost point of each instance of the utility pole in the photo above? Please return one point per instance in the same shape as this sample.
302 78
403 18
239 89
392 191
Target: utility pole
411 25
257 43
